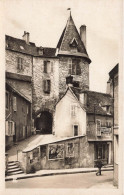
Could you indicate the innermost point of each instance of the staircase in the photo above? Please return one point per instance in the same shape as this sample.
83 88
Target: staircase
13 168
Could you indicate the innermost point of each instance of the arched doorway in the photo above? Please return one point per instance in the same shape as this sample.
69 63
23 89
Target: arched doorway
44 123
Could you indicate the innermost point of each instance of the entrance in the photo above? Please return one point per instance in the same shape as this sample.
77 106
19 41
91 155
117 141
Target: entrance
44 123
102 151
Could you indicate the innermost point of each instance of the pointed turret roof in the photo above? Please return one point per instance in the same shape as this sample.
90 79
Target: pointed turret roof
69 35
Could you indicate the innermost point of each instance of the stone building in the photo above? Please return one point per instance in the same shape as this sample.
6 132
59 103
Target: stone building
113 86
18 122
40 72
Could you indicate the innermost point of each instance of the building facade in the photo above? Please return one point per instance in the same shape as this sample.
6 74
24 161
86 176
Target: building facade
18 116
114 86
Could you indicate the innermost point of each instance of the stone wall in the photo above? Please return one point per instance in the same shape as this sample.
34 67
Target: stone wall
83 156
39 97
83 78
12 63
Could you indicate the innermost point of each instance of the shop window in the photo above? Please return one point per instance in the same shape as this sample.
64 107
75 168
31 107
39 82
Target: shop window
75 127
46 86
7 100
20 63
10 128
70 150
14 104
74 67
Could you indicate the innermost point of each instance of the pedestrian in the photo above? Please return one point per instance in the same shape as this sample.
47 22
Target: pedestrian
99 165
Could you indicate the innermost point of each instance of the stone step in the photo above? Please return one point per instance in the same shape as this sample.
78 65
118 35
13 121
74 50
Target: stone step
12 167
13 170
15 173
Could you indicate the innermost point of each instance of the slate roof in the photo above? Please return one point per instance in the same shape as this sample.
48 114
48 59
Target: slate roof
114 71
17 91
18 76
69 33
95 101
20 45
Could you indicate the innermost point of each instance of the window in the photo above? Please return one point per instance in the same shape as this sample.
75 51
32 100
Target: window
48 66
73 45
75 130
14 104
73 110
20 63
10 128
46 86
74 66
70 150
98 127
7 100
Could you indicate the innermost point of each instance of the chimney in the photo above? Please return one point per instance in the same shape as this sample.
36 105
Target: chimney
69 81
108 87
83 34
26 37
83 98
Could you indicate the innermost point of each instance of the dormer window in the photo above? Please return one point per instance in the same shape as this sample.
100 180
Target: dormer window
40 51
73 45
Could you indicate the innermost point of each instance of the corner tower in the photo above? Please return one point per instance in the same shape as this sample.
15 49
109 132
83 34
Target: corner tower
73 57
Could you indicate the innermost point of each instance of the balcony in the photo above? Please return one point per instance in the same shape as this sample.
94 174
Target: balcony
103 134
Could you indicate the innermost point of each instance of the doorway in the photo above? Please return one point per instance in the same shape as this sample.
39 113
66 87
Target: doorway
44 123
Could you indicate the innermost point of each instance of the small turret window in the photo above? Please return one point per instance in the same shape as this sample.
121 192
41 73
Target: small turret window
73 45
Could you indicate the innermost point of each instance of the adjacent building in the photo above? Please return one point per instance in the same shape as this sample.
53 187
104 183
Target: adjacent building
18 115
113 90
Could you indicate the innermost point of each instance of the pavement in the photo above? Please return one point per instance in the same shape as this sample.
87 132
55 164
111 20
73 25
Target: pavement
42 173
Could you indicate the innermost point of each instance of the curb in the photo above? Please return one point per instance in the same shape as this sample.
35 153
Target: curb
51 174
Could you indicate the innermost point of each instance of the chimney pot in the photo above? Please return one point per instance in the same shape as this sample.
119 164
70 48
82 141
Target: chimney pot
83 34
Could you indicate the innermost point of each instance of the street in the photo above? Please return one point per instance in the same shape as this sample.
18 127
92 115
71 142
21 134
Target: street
80 180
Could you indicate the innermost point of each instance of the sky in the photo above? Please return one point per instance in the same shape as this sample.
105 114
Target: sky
46 19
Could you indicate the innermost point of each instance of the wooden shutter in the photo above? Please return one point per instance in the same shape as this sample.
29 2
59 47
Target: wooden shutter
13 128
51 66
6 128
48 86
78 71
98 127
70 67
14 104
74 66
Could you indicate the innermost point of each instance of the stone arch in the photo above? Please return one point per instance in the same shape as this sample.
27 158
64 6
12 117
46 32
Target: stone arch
44 121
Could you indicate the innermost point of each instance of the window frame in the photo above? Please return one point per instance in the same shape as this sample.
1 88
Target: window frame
74 67
20 63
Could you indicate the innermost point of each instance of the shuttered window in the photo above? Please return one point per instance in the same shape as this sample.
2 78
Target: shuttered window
46 86
74 67
10 128
73 110
98 127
